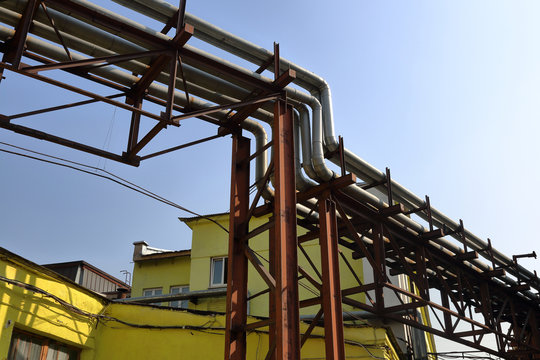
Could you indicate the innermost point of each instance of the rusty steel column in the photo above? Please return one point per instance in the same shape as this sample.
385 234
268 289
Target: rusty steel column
380 273
534 333
287 322
272 294
236 317
331 289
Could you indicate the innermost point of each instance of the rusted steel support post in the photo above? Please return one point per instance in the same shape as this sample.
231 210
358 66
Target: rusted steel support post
447 318
134 127
421 273
380 273
331 289
287 320
173 70
534 333
272 294
235 335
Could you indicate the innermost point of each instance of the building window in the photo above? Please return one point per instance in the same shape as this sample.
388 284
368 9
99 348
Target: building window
183 304
25 346
152 292
218 272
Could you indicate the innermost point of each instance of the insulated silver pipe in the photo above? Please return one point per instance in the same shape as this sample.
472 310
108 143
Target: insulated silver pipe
301 182
305 131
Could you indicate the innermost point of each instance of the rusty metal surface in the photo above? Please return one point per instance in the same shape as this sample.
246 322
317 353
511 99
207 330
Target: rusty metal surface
236 317
287 322
331 288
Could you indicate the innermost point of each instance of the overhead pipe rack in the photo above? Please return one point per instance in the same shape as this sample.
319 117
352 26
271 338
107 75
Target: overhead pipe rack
476 285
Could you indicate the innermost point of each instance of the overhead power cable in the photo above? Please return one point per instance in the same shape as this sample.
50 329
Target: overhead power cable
106 175
206 328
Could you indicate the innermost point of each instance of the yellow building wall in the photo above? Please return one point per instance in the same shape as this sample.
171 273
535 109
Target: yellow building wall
105 330
211 241
162 273
42 315
203 337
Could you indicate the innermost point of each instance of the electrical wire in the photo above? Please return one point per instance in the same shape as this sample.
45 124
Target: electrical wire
109 176
206 328
108 137
101 317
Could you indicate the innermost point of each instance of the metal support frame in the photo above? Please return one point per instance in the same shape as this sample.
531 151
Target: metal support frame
469 296
286 311
463 290
16 45
235 335
331 289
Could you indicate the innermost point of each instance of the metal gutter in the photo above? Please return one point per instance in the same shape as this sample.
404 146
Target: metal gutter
192 295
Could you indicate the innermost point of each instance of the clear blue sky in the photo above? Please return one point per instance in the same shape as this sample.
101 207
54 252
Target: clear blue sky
445 93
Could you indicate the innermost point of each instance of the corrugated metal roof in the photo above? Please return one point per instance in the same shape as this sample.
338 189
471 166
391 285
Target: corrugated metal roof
88 266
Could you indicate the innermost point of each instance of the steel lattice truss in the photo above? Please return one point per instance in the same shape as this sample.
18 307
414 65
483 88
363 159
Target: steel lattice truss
467 304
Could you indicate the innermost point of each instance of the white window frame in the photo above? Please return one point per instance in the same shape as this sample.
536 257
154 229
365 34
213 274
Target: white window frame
182 304
153 290
223 280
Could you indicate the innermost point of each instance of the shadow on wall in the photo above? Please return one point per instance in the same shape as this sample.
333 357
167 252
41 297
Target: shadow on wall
36 300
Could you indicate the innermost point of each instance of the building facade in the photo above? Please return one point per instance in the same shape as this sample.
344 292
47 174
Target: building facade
201 271
44 315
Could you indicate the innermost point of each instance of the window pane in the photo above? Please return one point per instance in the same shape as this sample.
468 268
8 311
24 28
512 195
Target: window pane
35 351
20 348
24 347
51 354
151 292
60 352
179 303
29 347
175 290
218 272
184 303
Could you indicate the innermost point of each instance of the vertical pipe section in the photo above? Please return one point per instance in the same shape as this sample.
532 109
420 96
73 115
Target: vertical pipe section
287 320
331 289
236 318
